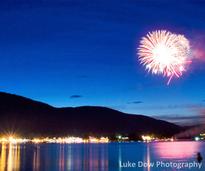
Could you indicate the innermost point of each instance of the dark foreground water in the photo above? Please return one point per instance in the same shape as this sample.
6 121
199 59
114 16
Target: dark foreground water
100 157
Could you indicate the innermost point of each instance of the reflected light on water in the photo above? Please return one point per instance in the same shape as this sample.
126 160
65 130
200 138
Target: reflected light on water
3 157
13 157
69 158
10 157
180 150
92 157
148 157
97 158
36 158
119 156
61 158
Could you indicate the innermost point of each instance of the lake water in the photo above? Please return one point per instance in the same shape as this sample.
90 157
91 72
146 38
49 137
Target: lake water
98 157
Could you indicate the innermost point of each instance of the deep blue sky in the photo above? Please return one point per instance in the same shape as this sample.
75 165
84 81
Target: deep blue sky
83 52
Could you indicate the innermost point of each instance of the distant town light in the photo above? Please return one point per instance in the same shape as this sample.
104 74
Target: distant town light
146 138
60 140
197 138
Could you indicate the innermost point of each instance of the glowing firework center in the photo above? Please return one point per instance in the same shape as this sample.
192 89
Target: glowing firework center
162 52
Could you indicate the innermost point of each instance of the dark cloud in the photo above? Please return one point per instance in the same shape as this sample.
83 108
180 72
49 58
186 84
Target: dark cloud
75 96
135 102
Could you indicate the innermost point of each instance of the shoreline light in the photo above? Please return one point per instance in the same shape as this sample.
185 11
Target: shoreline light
59 140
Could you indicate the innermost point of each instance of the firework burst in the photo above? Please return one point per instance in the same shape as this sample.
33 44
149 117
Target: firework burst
162 52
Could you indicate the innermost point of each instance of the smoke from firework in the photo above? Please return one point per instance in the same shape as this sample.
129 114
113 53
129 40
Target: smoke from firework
195 130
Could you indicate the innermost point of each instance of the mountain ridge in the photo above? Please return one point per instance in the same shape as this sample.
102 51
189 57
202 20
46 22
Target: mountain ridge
30 117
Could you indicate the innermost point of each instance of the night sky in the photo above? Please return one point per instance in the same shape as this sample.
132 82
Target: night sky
77 52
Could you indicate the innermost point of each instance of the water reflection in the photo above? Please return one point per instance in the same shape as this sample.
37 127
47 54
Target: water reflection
78 157
148 157
10 157
177 150
95 158
119 156
36 158
13 157
92 157
61 161
3 158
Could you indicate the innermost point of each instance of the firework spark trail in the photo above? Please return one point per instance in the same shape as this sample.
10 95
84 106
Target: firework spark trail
162 52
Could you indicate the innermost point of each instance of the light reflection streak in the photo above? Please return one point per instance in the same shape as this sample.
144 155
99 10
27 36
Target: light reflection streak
61 158
10 157
119 156
69 157
14 157
148 156
3 157
95 157
36 158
